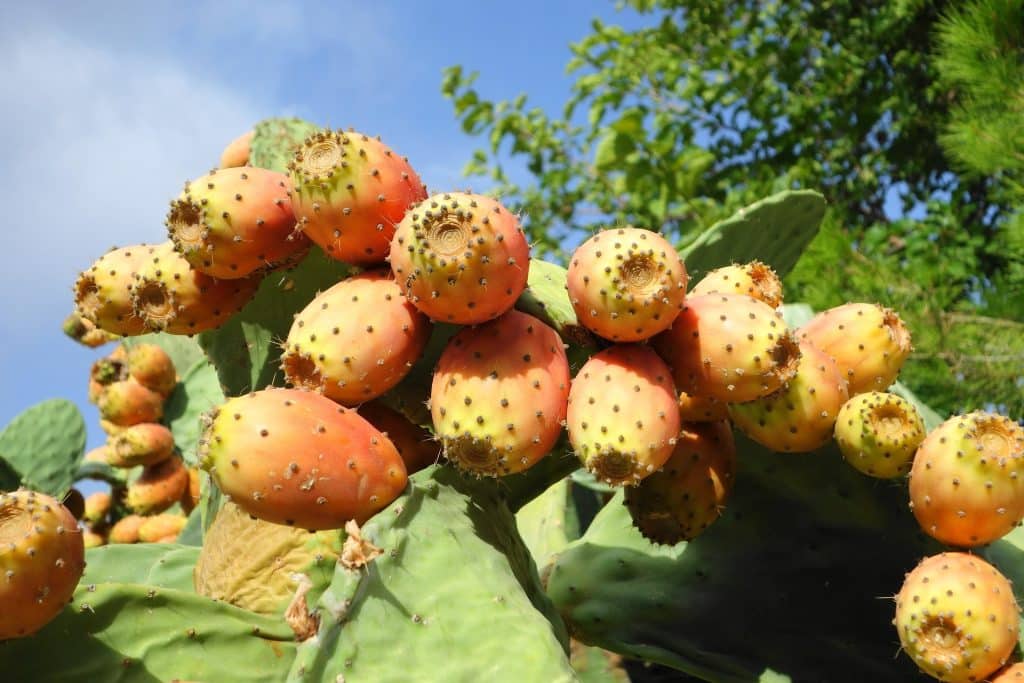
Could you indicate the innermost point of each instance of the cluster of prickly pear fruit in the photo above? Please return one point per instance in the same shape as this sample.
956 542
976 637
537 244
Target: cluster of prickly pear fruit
131 386
454 349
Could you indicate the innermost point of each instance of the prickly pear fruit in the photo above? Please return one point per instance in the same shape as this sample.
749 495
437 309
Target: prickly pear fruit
349 192
460 258
801 416
623 417
729 347
92 539
498 395
127 403
190 497
678 502
142 444
103 292
152 368
626 284
868 342
957 617
85 332
878 433
235 221
295 457
97 505
42 557
701 409
415 444
1010 674
355 341
237 151
161 526
111 429
755 279
126 529
967 480
171 296
251 563
98 454
158 487
106 371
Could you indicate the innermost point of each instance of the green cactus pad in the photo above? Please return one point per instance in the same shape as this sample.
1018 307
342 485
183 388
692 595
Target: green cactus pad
197 392
161 565
807 555
775 230
246 349
44 445
546 298
124 632
454 596
275 140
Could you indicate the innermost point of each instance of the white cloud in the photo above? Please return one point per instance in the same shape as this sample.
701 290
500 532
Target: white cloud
96 145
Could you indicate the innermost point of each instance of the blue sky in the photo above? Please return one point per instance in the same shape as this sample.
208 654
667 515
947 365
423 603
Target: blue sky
107 108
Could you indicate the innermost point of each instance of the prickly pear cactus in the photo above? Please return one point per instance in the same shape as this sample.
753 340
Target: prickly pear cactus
450 569
43 446
275 140
774 230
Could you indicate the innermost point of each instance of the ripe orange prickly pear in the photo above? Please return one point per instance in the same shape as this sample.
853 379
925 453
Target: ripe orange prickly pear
142 444
355 341
237 151
801 416
97 505
498 395
626 284
957 617
127 403
233 222
42 557
460 258
729 347
678 502
190 497
755 279
967 480
152 368
879 433
415 444
159 527
868 342
349 192
701 409
92 539
98 454
295 457
126 529
158 487
623 416
171 296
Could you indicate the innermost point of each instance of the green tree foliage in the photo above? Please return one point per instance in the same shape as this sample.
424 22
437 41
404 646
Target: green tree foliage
712 105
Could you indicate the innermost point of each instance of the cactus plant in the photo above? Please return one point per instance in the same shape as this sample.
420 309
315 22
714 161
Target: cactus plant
464 576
